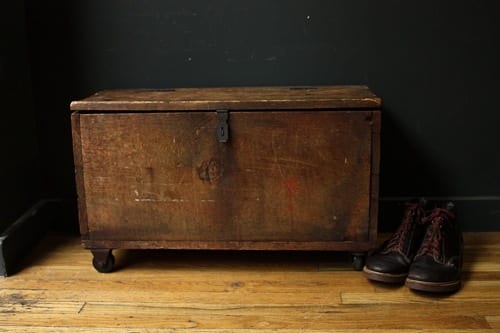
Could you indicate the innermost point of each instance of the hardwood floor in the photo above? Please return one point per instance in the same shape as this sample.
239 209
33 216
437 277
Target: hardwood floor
58 290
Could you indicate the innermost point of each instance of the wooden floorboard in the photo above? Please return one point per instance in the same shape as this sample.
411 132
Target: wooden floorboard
58 290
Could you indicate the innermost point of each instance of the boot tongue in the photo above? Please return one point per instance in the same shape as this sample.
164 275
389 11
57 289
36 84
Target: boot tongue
399 239
432 243
441 214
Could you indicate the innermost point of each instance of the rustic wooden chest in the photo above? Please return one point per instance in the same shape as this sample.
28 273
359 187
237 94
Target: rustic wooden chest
247 168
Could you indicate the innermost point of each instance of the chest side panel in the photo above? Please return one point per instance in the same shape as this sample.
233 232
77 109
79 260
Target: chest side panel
282 176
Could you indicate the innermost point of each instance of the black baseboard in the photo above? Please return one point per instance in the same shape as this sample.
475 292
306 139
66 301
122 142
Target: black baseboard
474 213
20 237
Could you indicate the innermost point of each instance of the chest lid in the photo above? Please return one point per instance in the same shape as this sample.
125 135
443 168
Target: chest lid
231 98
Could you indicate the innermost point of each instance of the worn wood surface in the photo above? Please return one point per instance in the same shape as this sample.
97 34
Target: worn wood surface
161 291
283 177
78 161
288 178
235 98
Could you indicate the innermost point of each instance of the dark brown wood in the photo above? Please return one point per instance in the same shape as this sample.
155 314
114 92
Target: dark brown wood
80 186
239 98
375 174
305 179
231 245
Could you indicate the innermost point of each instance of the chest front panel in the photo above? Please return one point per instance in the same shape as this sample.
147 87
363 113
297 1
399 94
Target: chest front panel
299 176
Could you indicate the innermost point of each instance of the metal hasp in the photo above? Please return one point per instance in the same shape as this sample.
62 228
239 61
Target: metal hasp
222 126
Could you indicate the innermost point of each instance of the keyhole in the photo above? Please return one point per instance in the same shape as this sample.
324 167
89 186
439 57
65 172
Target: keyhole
222 126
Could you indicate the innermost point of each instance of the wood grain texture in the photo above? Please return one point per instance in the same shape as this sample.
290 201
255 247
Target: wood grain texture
376 120
299 171
283 177
78 161
233 98
165 291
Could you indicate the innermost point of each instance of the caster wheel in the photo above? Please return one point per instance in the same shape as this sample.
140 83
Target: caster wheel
106 267
358 262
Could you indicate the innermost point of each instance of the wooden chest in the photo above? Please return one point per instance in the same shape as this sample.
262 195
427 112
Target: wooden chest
250 168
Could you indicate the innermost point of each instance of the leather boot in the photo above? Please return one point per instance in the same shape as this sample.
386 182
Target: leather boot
392 261
438 264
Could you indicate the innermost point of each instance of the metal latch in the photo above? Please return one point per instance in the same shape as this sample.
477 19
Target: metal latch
222 126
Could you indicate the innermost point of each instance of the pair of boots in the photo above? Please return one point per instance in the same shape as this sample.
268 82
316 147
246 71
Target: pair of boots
425 252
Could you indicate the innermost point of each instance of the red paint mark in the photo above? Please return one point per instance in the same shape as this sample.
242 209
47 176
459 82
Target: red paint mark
292 187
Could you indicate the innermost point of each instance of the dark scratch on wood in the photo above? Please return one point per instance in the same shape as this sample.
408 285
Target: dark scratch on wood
83 306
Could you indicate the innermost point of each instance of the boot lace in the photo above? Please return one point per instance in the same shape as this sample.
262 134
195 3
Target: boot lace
399 239
431 244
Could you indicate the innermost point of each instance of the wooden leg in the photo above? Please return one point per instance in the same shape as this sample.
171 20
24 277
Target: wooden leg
103 260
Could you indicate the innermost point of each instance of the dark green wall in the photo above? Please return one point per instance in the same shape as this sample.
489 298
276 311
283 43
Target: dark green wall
18 136
434 63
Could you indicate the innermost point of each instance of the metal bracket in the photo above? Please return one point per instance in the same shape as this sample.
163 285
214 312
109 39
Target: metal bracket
222 126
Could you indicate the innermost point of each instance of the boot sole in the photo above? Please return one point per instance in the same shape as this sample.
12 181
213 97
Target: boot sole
434 287
384 277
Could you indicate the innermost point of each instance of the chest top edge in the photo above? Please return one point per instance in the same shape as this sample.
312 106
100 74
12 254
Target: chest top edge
231 98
